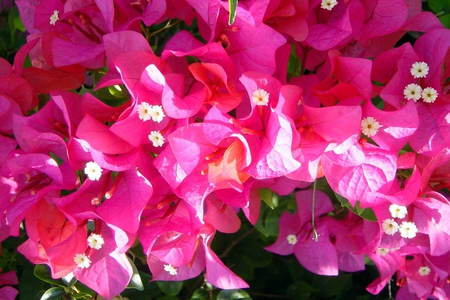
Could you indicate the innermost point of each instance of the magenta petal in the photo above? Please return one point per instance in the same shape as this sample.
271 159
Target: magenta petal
375 173
304 199
184 272
224 220
190 146
170 169
324 36
66 53
250 53
123 41
177 107
433 47
386 16
397 126
218 274
289 224
275 158
318 257
175 247
433 133
128 200
7 145
108 274
8 293
99 136
9 278
334 124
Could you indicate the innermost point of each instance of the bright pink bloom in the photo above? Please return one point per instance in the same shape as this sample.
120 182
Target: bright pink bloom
53 239
110 270
348 81
178 247
296 235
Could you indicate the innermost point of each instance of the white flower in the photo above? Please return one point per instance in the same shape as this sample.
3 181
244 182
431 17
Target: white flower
419 69
156 138
54 17
370 126
408 230
328 4
157 113
412 92
383 251
143 110
171 269
389 226
429 95
95 241
292 239
260 97
93 170
398 211
424 271
82 260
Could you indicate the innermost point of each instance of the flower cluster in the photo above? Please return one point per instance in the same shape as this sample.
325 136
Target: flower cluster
104 142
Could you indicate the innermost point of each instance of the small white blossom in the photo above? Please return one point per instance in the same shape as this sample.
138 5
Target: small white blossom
408 230
398 211
260 97
157 113
382 251
82 260
389 226
54 17
370 126
412 92
328 4
156 138
292 239
419 69
171 269
144 111
429 95
424 271
95 241
93 171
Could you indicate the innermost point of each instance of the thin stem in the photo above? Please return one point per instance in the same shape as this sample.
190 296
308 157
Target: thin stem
313 208
167 26
236 241
390 290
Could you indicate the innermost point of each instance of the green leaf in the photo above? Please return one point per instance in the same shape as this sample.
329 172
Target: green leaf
43 273
168 298
82 296
331 287
300 290
170 288
269 197
294 66
53 293
243 266
366 213
30 287
200 294
14 21
232 15
445 20
438 6
233 294
136 281
272 222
